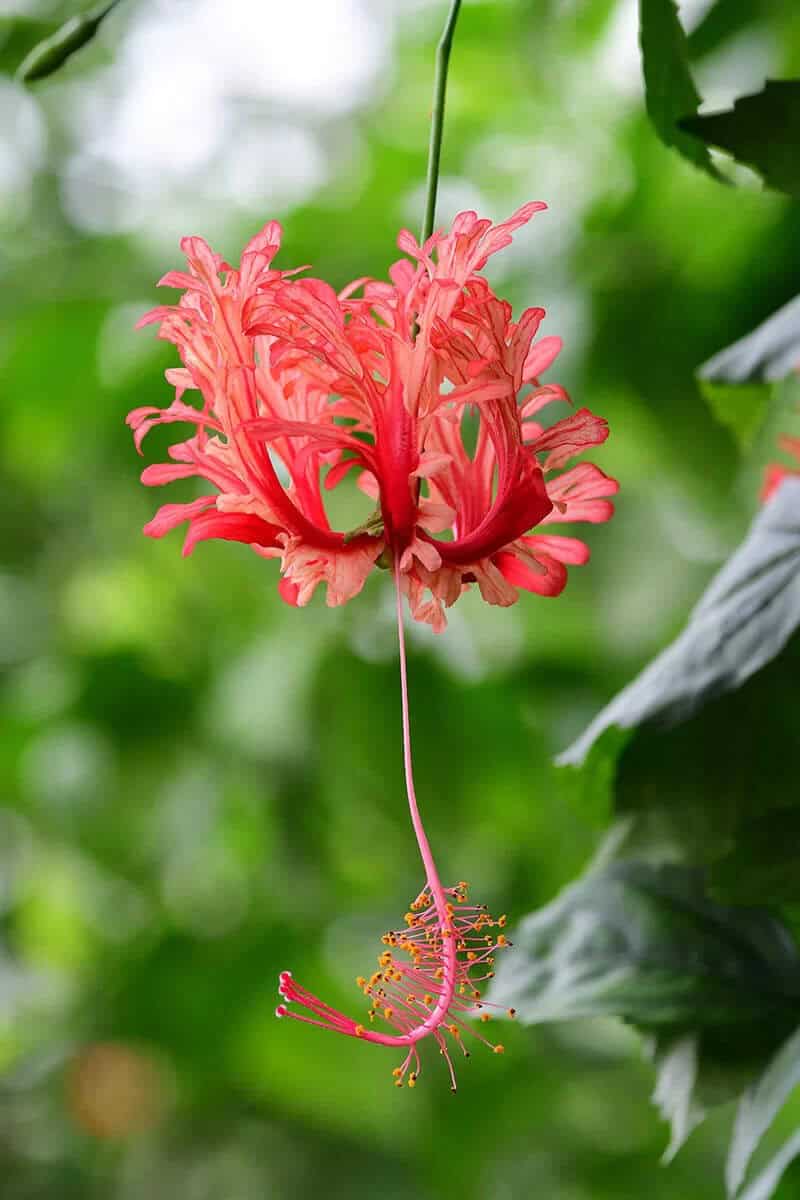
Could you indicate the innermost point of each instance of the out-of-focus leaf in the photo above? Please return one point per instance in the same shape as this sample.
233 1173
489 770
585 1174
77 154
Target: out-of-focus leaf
763 1186
770 352
758 1108
645 943
761 130
669 89
744 618
741 409
676 1065
47 56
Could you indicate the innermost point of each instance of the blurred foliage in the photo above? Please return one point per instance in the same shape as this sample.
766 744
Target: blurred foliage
202 787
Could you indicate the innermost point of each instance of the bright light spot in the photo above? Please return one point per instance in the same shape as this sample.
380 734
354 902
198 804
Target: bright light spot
204 101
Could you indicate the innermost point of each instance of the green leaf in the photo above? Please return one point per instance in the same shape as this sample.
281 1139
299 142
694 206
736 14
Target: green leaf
758 1108
761 130
694 790
49 55
762 867
740 408
770 352
646 943
670 93
744 618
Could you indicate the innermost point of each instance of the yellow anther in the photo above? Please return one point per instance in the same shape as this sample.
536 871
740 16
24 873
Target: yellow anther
498 1049
438 973
411 998
476 994
454 1030
412 1080
359 1030
398 1083
361 981
512 1012
427 998
485 1017
501 921
502 940
388 1013
471 956
397 1072
397 976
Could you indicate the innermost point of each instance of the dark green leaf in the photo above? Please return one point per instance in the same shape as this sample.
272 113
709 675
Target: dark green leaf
770 352
762 131
763 865
697 788
646 943
743 620
47 56
669 89
757 1110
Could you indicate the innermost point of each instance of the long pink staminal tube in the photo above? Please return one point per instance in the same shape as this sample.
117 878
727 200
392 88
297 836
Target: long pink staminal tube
428 992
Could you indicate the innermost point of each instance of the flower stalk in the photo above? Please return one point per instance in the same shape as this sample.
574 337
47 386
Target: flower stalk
437 119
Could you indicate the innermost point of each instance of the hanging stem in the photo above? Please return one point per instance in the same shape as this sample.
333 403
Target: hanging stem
431 874
437 118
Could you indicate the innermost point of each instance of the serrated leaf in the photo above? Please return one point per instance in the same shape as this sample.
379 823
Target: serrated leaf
758 1108
761 130
49 55
743 620
669 89
770 352
740 408
645 943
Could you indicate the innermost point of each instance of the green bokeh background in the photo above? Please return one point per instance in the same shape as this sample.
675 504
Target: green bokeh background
200 786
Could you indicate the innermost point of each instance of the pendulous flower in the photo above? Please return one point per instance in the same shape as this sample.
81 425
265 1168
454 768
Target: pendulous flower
430 392
423 385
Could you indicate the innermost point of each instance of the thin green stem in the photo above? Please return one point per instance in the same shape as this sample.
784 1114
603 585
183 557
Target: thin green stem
437 118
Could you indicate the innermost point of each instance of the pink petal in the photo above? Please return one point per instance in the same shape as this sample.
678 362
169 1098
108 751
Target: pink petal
540 357
159 473
170 515
230 527
569 437
564 549
545 577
